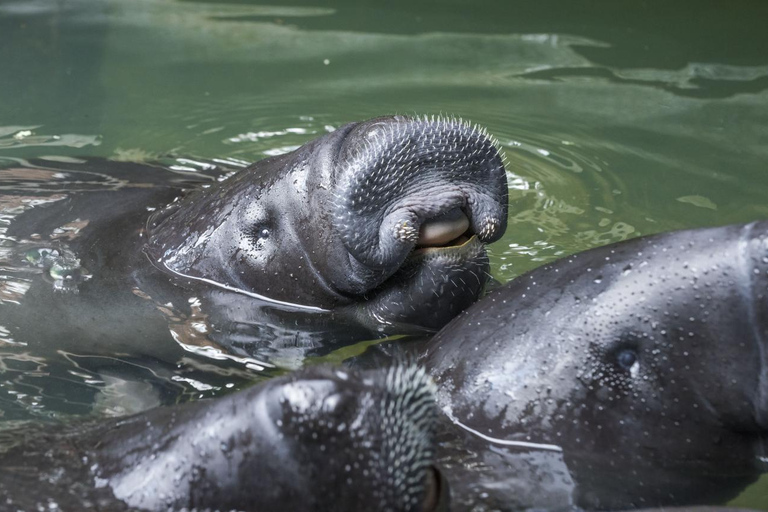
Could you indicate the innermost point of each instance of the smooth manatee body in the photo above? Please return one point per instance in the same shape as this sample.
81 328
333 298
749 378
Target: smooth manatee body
639 369
318 439
378 227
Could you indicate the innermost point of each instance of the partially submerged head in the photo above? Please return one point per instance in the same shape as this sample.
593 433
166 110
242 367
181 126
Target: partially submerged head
361 213
318 439
649 356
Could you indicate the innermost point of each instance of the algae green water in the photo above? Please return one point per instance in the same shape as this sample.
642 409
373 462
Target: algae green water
618 119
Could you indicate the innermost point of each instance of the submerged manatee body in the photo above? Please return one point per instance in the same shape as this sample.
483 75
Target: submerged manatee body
633 375
379 223
319 439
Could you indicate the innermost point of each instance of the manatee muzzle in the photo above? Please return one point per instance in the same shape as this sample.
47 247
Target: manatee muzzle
404 183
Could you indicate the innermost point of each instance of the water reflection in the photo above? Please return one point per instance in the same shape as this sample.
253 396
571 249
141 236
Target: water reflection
695 81
24 136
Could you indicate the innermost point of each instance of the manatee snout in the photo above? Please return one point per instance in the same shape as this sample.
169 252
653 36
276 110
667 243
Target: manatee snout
405 182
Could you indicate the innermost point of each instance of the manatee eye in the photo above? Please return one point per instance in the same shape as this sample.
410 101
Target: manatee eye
260 232
626 358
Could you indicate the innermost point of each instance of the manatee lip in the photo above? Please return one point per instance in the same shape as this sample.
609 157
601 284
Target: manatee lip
446 229
465 246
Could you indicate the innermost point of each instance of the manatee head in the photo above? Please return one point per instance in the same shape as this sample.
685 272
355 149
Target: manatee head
391 214
646 361
317 439
359 440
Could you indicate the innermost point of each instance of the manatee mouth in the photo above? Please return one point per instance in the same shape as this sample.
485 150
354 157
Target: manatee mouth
447 230
411 185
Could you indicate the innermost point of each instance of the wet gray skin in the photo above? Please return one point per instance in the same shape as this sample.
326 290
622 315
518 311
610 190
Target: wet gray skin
375 228
318 439
335 222
642 366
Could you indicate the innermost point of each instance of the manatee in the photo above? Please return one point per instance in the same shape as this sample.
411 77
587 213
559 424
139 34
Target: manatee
378 227
337 219
318 439
632 375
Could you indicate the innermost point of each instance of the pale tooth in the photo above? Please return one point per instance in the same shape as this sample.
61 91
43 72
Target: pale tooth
443 229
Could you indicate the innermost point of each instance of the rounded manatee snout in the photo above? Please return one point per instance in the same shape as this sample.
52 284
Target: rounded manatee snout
400 177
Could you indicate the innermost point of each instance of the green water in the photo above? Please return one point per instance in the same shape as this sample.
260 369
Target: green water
618 119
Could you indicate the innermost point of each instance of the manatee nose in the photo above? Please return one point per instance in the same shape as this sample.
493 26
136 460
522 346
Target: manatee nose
406 182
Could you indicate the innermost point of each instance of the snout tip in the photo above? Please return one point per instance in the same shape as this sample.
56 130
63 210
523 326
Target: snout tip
400 177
